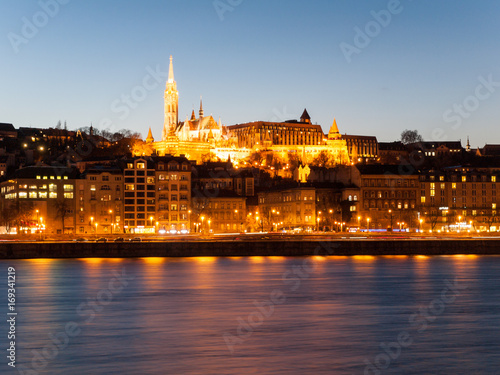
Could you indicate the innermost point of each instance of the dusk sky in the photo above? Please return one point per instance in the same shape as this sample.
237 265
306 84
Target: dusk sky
433 66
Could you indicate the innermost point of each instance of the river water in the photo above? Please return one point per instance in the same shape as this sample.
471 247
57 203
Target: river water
256 315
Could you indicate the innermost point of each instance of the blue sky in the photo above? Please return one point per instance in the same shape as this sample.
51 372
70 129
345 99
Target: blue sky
433 66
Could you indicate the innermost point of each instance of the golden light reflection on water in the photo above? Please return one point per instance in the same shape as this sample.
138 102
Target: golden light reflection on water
154 260
421 257
401 257
206 259
319 258
276 258
364 258
256 259
40 260
91 260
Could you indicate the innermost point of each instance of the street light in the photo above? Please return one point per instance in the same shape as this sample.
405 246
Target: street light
367 224
420 225
209 221
390 211
202 218
359 222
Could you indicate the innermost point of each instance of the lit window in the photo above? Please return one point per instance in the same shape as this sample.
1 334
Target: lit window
52 187
52 195
68 195
464 178
23 194
68 187
42 194
493 178
32 194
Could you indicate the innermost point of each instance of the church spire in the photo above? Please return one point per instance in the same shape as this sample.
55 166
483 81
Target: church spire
171 104
334 131
171 71
201 106
149 138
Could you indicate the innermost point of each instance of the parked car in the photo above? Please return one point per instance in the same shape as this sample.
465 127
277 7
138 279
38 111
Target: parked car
81 239
136 239
119 239
102 239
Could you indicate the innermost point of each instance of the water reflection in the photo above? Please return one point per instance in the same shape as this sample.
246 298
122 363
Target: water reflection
171 315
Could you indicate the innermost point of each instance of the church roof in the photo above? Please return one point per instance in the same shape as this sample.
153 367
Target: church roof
305 116
204 123
334 129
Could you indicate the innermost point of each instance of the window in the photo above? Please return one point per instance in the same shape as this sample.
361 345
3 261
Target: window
32 194
42 195
493 178
52 195
23 194
52 187
464 178
68 187
68 195
141 166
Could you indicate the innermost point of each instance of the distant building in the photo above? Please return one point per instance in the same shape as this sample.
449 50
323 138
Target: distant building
460 198
42 197
293 208
392 152
218 211
7 131
99 201
388 196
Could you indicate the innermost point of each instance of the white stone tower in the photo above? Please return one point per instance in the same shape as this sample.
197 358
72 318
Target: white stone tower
171 104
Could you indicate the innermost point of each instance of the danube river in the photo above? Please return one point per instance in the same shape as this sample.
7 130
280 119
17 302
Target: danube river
256 315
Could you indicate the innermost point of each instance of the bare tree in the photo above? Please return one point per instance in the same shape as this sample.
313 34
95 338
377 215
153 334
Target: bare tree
411 136
62 207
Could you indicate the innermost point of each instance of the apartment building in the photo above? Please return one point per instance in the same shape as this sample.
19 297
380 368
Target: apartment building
40 198
99 201
173 194
218 211
287 208
460 198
